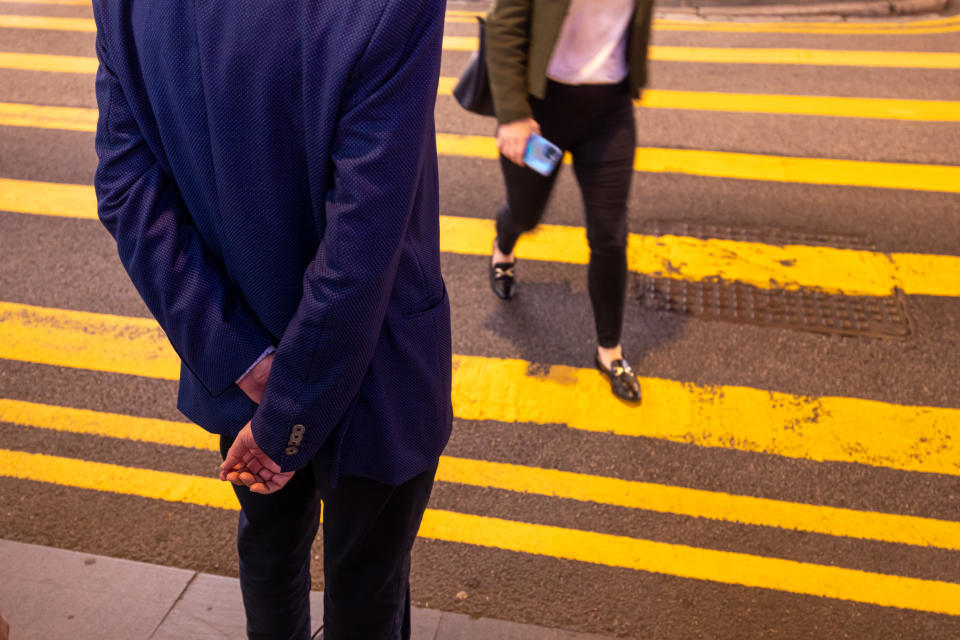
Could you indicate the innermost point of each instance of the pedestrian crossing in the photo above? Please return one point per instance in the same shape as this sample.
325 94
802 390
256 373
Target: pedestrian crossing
909 438
529 396
555 483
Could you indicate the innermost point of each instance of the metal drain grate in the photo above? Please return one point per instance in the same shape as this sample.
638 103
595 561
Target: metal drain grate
802 309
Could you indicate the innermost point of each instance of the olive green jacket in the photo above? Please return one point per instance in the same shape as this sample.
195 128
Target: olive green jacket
521 35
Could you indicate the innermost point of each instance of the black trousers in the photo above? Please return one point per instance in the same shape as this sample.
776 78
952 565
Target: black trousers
368 532
595 124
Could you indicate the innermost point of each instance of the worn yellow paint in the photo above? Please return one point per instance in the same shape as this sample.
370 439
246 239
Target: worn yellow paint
714 505
683 561
14 114
64 3
683 258
47 62
765 55
692 562
79 339
99 476
892 27
910 438
696 503
85 25
110 425
911 27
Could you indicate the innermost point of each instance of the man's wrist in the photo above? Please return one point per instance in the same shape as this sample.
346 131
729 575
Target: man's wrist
266 352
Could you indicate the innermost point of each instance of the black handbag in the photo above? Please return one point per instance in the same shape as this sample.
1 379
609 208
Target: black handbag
473 87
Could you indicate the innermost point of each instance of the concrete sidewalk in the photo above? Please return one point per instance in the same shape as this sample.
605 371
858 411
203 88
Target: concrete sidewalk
49 594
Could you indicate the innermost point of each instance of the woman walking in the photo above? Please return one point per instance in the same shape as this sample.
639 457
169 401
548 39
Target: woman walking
568 70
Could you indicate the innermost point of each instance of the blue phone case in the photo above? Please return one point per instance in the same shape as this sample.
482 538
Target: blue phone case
542 155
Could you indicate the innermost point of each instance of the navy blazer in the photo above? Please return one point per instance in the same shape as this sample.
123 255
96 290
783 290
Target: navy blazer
268 169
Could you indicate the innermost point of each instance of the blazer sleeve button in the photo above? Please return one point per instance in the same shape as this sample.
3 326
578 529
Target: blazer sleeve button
291 451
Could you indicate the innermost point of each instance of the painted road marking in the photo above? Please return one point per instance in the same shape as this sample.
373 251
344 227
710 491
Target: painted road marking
663 53
915 27
761 265
892 27
556 542
764 55
47 62
939 25
748 166
870 432
695 503
47 23
84 119
680 257
13 114
68 3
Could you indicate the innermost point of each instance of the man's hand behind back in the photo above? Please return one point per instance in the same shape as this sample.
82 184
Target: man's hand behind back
247 465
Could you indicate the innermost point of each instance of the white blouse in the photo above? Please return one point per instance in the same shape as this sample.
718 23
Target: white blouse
592 47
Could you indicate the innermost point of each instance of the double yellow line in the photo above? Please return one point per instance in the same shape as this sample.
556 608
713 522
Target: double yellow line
766 266
570 544
660 498
909 438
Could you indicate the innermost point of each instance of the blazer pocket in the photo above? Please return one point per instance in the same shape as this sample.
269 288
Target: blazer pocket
432 306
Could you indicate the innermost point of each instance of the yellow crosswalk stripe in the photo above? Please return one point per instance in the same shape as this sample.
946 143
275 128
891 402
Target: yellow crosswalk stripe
913 27
683 258
727 55
14 114
892 27
749 166
49 23
922 26
65 3
910 438
683 561
714 505
47 62
764 55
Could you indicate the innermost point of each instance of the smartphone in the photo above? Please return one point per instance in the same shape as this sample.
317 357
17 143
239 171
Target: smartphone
542 155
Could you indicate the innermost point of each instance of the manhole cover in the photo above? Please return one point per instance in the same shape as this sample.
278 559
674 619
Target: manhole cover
802 309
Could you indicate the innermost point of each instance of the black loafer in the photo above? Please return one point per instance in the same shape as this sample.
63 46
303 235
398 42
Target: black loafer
501 279
623 382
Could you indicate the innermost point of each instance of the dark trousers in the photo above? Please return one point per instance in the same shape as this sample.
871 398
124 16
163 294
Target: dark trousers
595 124
368 532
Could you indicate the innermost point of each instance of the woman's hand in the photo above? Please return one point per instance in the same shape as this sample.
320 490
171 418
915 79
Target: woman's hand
512 138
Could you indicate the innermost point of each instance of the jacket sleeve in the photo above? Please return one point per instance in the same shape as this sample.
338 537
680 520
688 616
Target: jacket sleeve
382 141
507 44
216 336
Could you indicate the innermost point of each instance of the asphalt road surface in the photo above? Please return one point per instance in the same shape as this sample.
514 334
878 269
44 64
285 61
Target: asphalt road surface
775 483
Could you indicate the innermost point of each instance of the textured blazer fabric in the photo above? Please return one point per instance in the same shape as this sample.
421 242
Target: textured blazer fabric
268 169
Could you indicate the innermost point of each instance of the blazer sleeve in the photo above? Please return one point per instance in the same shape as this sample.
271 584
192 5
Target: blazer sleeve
216 336
507 45
382 141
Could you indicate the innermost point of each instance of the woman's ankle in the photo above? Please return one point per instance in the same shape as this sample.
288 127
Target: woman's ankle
608 354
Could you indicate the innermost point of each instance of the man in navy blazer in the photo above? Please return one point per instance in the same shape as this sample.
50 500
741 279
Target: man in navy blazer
268 169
